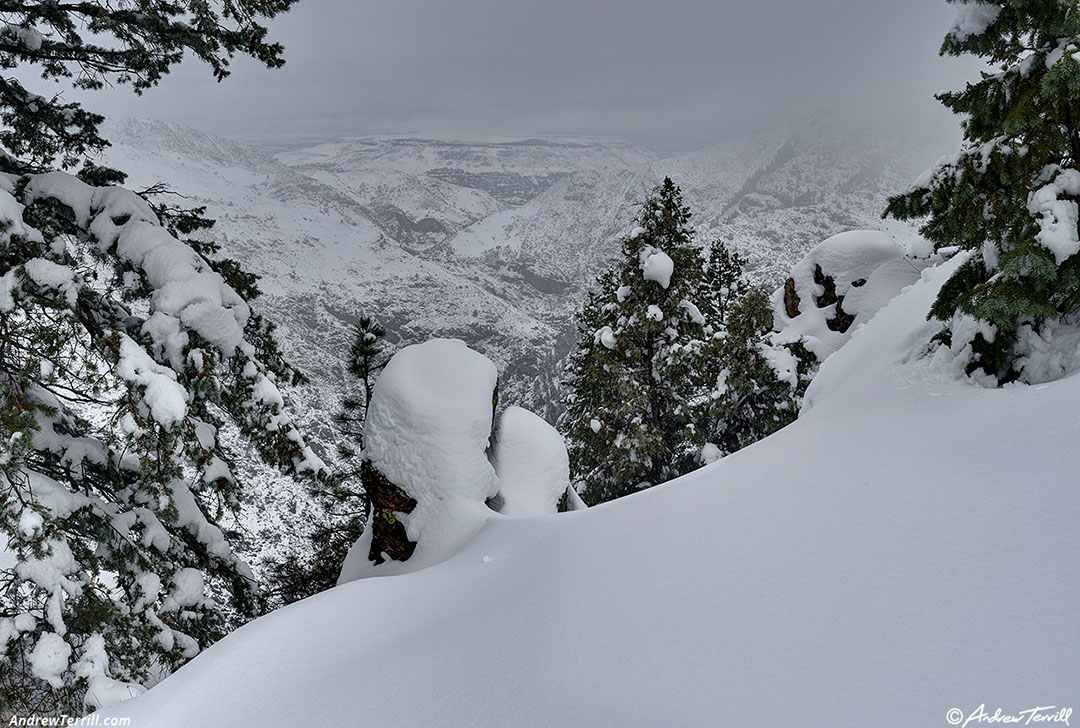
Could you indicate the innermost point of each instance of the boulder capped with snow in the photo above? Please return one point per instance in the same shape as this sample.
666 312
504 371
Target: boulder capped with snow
838 286
427 432
533 466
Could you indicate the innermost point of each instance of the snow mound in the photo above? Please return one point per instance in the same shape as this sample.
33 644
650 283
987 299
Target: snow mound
973 18
1054 206
427 430
905 550
102 691
658 266
531 461
838 286
1049 354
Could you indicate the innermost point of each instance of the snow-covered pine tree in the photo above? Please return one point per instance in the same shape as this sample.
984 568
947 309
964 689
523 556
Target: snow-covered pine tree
125 355
343 494
746 399
1010 195
635 374
94 43
724 281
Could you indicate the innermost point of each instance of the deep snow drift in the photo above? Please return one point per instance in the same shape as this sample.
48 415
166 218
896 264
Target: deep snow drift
908 547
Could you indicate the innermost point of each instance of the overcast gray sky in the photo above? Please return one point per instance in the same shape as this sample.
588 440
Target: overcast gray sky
670 75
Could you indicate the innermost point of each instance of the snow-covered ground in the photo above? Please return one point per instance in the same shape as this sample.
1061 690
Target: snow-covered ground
908 548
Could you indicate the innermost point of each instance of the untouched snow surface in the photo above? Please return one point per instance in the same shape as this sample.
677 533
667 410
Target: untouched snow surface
907 548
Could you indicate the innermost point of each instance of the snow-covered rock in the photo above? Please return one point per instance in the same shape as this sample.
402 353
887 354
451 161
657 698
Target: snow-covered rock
839 285
531 461
428 429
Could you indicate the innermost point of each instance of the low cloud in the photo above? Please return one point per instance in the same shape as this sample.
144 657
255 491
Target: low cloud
669 76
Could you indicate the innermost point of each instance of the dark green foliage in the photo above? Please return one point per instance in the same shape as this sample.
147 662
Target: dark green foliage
291 579
644 380
366 359
93 174
136 498
724 280
746 401
151 491
629 416
1021 135
95 43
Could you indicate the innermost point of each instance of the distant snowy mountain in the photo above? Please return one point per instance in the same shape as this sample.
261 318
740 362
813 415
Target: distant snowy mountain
493 243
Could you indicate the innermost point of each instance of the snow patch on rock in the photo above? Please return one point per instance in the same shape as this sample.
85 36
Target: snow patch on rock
531 462
863 269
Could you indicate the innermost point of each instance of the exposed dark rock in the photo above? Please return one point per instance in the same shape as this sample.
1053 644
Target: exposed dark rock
791 299
828 296
542 283
388 534
398 226
842 320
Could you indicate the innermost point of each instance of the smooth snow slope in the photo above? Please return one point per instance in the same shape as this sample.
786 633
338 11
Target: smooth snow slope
907 547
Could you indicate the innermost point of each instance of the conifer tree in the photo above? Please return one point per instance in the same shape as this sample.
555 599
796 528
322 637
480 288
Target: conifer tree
724 281
634 378
746 400
128 349
94 43
1010 195
343 495
675 365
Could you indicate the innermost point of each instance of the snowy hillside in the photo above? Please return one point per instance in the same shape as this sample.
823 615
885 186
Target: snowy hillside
908 548
493 243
